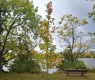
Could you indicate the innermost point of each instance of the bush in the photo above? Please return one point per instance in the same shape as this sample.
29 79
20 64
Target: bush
66 65
80 65
21 65
72 65
17 66
33 67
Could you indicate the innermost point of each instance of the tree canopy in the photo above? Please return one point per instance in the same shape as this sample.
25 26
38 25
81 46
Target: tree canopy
18 19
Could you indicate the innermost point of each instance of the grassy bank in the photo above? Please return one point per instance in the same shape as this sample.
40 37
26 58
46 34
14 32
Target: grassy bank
42 76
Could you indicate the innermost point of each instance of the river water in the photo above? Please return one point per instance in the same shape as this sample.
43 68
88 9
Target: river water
89 62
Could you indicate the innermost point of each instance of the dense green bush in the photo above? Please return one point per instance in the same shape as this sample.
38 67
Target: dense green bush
21 65
17 66
66 65
72 65
80 65
32 67
66 54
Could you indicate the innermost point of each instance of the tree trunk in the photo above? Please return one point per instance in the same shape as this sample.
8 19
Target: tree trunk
27 60
76 57
71 55
0 61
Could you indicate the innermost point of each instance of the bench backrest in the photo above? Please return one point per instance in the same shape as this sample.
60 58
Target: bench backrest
76 70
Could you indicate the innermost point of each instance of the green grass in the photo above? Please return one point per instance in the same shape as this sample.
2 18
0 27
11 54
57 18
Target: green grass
43 76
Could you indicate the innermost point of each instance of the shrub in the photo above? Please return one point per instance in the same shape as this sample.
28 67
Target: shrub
66 65
20 65
80 65
33 67
72 65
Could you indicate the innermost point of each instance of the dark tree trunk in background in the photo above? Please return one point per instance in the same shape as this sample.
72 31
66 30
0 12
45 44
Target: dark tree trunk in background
0 61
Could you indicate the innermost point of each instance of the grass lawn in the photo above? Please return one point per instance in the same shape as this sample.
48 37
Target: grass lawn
42 76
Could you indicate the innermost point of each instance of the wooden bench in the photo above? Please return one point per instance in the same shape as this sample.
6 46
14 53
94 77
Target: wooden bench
75 71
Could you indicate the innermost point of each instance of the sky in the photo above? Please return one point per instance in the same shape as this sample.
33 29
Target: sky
79 8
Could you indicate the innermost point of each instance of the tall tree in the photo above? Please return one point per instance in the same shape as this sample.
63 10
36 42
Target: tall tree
44 30
70 34
15 18
48 56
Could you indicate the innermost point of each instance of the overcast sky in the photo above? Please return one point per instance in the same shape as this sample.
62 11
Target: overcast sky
79 8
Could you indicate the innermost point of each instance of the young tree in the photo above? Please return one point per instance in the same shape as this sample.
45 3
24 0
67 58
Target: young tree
47 47
15 18
69 34
44 30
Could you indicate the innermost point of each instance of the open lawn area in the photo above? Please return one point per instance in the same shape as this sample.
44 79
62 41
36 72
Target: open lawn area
42 76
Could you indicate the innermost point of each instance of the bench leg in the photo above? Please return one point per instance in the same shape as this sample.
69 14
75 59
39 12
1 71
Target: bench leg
81 74
67 73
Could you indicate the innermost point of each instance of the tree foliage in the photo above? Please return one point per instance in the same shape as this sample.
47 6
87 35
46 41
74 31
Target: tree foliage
16 19
70 34
20 65
48 57
92 14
